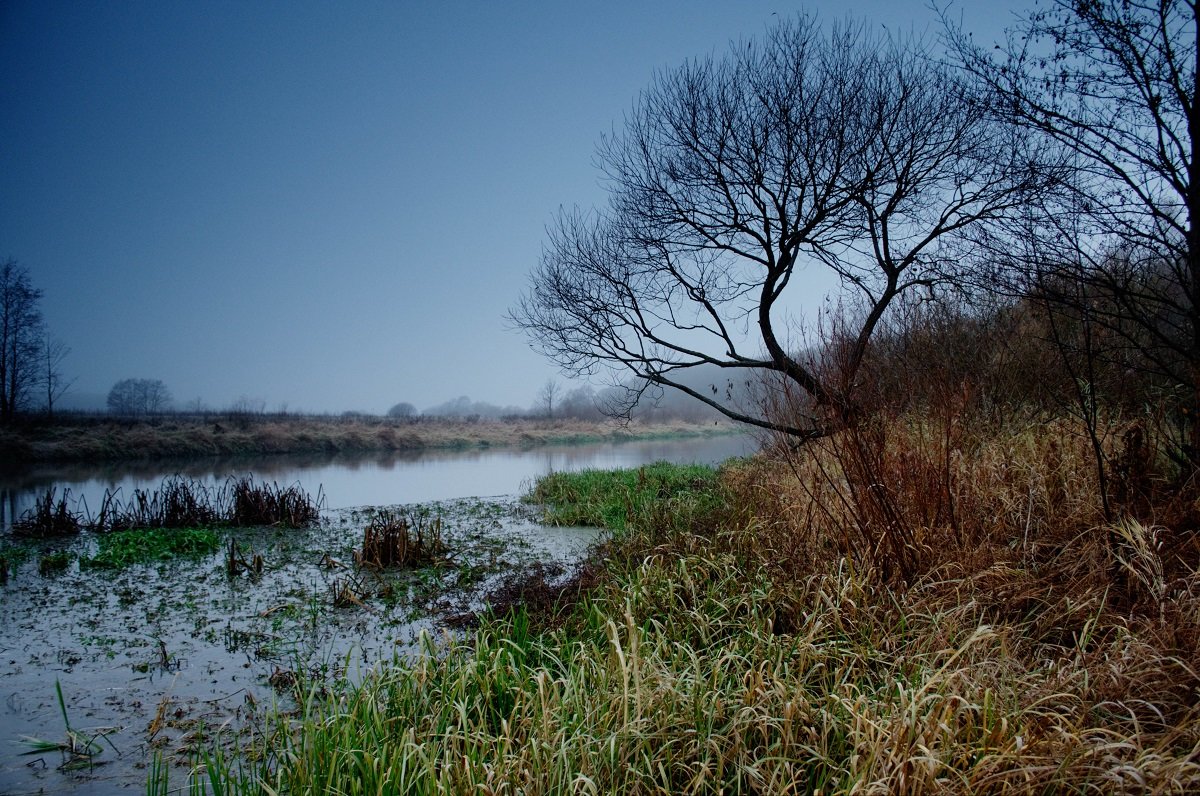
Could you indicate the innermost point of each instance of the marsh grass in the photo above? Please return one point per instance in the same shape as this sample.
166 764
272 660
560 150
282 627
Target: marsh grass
395 540
177 503
50 516
1032 646
121 549
254 504
617 499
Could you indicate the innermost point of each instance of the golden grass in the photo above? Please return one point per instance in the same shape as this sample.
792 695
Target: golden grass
1032 647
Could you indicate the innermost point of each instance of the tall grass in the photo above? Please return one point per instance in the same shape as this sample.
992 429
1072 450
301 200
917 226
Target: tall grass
617 499
177 503
1025 653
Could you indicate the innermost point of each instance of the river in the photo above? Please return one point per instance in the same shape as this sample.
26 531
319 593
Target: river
164 658
367 479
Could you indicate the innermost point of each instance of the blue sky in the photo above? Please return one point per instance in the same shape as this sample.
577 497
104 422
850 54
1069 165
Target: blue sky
324 206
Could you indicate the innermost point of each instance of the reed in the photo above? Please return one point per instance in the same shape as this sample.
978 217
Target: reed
1030 647
50 516
254 504
177 503
395 540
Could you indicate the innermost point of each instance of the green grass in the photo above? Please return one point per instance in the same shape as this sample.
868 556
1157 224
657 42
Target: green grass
616 499
120 549
699 664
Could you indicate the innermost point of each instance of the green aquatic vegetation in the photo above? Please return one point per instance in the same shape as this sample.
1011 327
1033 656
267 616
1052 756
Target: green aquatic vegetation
615 499
11 557
121 549
54 563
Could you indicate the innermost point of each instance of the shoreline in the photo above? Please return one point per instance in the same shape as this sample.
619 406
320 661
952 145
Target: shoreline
102 440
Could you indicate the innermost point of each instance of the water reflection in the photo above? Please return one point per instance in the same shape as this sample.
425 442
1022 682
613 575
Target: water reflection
366 479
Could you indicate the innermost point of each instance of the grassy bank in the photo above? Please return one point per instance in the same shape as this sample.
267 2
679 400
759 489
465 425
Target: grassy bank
98 439
736 637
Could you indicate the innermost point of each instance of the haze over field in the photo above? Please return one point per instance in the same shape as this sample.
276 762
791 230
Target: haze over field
324 207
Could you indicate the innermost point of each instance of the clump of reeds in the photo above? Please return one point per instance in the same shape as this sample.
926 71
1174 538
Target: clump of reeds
394 540
177 503
186 503
270 504
50 516
236 562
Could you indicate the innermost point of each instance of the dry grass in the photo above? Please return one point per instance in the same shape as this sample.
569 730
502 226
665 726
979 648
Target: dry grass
393 540
1028 646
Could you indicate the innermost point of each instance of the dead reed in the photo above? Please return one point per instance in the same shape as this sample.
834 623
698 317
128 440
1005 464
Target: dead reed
177 503
255 504
50 516
395 540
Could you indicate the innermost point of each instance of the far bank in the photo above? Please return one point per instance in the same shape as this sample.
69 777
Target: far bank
88 438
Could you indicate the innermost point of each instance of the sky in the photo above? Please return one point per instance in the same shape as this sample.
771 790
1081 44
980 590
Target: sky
326 207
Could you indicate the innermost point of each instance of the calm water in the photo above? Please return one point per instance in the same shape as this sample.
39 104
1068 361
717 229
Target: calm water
369 479
186 640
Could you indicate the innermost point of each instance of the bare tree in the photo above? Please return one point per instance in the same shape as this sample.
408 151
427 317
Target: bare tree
547 395
20 338
851 152
1111 86
53 352
139 397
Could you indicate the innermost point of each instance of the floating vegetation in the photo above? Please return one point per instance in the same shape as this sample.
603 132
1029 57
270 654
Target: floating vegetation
53 563
120 549
50 516
393 540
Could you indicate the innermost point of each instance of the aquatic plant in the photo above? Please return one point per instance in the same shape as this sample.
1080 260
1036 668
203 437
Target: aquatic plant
120 549
50 516
53 563
79 747
615 499
393 540
177 503
255 504
186 503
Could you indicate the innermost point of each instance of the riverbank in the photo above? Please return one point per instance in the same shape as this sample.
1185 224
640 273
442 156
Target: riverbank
101 439
760 629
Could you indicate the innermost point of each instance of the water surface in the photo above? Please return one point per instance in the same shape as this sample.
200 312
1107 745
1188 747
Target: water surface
368 479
